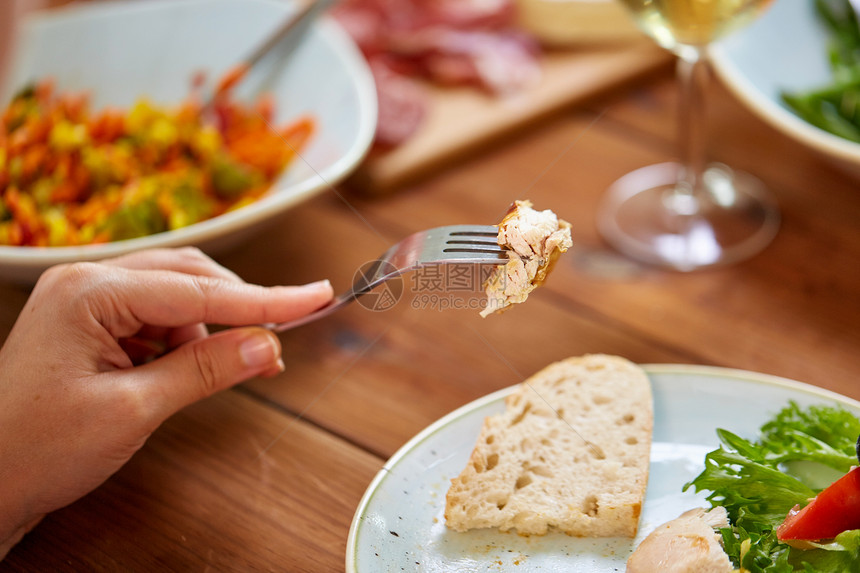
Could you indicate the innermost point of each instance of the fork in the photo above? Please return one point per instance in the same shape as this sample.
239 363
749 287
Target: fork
292 29
462 244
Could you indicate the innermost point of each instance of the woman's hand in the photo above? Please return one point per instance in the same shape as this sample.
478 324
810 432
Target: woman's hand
102 353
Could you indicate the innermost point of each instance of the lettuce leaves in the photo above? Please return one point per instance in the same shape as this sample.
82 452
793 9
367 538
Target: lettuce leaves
758 482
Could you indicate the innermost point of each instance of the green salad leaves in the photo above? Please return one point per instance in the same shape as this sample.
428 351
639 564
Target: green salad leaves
798 453
836 107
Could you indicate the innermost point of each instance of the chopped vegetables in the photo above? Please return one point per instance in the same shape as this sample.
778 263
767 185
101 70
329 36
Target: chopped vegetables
758 482
69 176
834 510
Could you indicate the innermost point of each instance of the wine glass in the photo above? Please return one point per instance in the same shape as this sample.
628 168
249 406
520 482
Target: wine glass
690 214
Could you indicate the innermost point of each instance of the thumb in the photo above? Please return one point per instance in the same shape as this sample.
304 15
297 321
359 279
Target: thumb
205 366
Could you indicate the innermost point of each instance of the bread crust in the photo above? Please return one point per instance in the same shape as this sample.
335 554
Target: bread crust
570 452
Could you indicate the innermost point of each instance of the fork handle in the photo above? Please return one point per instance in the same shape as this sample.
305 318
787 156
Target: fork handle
321 312
370 278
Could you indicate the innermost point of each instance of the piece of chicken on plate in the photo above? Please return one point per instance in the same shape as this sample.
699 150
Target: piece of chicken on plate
687 544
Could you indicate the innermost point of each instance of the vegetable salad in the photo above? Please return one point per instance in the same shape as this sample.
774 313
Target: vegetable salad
70 176
799 453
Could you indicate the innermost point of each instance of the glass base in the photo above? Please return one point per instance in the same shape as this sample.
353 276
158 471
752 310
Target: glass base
643 217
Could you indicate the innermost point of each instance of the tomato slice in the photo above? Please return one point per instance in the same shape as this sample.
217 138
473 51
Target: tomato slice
834 510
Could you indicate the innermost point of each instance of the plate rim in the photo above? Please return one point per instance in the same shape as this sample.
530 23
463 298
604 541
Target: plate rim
651 368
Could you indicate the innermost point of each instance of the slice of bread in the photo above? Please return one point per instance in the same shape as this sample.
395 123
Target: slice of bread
570 452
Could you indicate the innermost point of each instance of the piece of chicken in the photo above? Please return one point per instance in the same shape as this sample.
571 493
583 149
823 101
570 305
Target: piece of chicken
534 239
688 544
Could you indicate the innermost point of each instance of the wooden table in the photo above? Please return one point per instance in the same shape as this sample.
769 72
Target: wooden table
267 476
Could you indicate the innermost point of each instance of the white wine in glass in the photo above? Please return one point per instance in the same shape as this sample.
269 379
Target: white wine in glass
690 214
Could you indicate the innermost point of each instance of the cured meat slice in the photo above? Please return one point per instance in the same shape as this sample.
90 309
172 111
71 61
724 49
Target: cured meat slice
447 42
402 104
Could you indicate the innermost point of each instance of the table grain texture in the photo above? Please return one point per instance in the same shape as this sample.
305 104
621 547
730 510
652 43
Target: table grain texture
267 476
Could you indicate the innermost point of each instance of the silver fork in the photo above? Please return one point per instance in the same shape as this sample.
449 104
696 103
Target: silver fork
461 244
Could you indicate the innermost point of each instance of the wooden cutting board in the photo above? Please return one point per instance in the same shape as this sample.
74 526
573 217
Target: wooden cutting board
461 121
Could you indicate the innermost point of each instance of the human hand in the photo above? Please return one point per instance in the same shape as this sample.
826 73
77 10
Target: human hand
78 398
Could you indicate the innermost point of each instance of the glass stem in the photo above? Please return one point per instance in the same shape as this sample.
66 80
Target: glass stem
692 74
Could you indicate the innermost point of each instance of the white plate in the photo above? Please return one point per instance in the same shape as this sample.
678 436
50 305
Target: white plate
399 524
121 51
784 50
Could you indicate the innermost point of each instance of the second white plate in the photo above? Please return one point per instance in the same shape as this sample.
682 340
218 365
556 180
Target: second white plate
400 526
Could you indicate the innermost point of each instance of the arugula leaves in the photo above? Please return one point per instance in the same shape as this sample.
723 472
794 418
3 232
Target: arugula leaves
750 480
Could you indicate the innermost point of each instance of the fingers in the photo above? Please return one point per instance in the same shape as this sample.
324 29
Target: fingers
201 368
172 337
7 544
137 305
188 260
297 301
179 336
174 299
123 299
151 342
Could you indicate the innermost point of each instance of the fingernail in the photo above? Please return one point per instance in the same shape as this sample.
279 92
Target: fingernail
259 350
275 370
318 285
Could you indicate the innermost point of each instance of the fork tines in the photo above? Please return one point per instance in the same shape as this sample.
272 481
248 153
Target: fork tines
478 240
479 246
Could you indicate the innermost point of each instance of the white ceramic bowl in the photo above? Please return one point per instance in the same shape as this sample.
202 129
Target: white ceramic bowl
784 50
120 51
